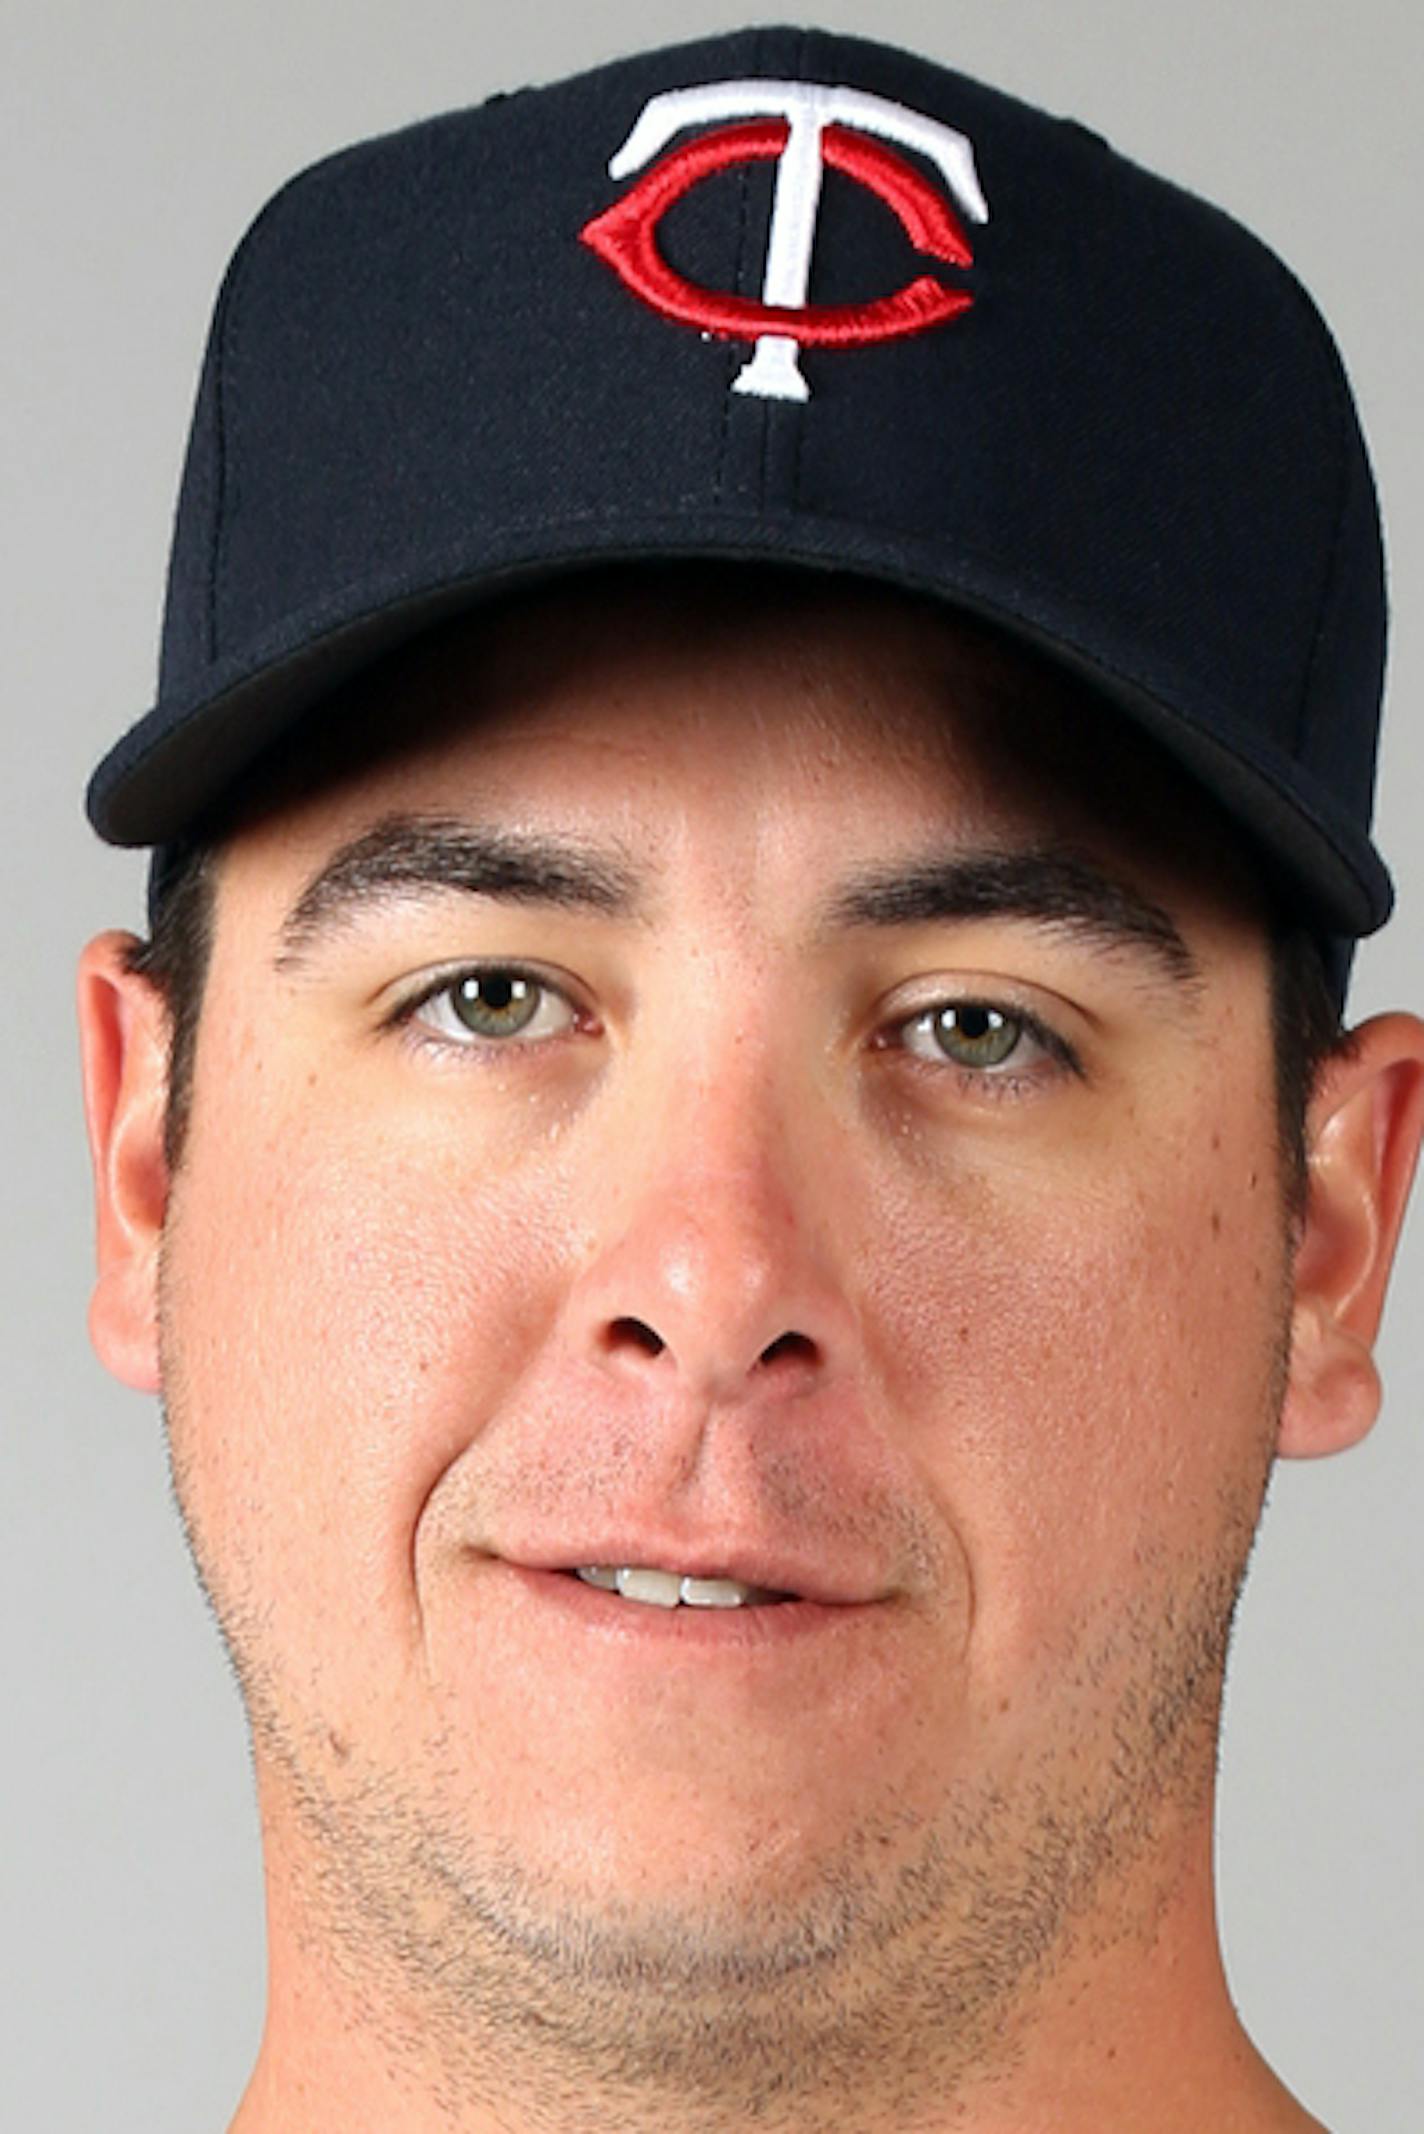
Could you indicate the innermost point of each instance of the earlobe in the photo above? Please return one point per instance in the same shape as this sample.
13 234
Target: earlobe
1363 1134
123 1027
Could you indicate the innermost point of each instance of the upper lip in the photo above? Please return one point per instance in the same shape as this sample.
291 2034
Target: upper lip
777 1569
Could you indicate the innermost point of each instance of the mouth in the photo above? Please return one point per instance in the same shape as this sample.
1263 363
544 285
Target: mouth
709 1608
650 1586
671 1572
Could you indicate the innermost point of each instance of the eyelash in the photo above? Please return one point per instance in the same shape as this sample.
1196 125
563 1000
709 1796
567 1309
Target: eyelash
406 1012
1053 1057
1056 1057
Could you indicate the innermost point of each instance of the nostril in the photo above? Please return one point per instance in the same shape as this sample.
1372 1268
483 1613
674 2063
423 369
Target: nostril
796 1347
634 1331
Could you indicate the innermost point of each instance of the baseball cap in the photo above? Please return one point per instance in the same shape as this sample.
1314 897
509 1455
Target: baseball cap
788 298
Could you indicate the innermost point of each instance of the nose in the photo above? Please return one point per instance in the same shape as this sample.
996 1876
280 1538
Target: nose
719 1272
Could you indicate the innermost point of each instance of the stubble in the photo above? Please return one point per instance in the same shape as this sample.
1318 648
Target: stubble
905 1973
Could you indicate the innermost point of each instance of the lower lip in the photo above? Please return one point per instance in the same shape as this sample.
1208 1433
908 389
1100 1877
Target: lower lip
600 1614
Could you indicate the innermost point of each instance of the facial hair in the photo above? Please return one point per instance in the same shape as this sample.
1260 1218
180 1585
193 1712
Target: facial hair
881 1996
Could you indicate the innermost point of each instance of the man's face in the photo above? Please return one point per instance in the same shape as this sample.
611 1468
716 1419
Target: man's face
832 1157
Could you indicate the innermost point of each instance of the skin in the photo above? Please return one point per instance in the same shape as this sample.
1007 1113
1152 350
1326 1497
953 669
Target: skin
722 1268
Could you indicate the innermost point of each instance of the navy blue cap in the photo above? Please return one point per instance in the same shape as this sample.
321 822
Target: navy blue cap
789 297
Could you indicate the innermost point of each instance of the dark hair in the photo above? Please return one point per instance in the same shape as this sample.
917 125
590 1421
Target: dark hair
1305 1019
1306 1029
175 958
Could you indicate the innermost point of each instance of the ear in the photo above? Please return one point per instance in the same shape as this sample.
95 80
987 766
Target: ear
123 1029
1362 1138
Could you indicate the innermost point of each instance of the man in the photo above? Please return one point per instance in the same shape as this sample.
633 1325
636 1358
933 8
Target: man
733 1150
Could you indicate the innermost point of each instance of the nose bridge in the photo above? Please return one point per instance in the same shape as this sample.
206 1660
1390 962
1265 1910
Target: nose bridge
718 1255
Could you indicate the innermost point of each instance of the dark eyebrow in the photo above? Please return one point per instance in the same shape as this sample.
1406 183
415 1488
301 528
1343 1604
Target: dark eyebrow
424 855
1051 888
413 856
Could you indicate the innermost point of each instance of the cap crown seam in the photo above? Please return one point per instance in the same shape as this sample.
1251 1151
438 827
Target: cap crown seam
1327 362
226 334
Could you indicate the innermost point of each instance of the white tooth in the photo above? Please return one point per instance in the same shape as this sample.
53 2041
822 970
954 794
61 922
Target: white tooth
658 1588
715 1592
665 1589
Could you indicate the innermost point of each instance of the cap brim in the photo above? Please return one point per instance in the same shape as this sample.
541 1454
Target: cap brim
169 769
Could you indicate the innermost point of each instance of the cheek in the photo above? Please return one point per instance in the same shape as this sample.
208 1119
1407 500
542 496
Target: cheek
343 1309
1089 1367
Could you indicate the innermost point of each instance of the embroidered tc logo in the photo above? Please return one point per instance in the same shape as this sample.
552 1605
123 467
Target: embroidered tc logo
804 127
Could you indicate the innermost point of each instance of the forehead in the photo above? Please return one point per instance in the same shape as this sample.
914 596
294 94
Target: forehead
633 694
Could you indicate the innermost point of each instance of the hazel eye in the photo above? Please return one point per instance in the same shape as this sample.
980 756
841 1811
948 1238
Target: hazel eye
973 1034
492 1005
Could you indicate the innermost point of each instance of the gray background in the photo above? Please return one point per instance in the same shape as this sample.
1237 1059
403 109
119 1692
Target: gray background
138 138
